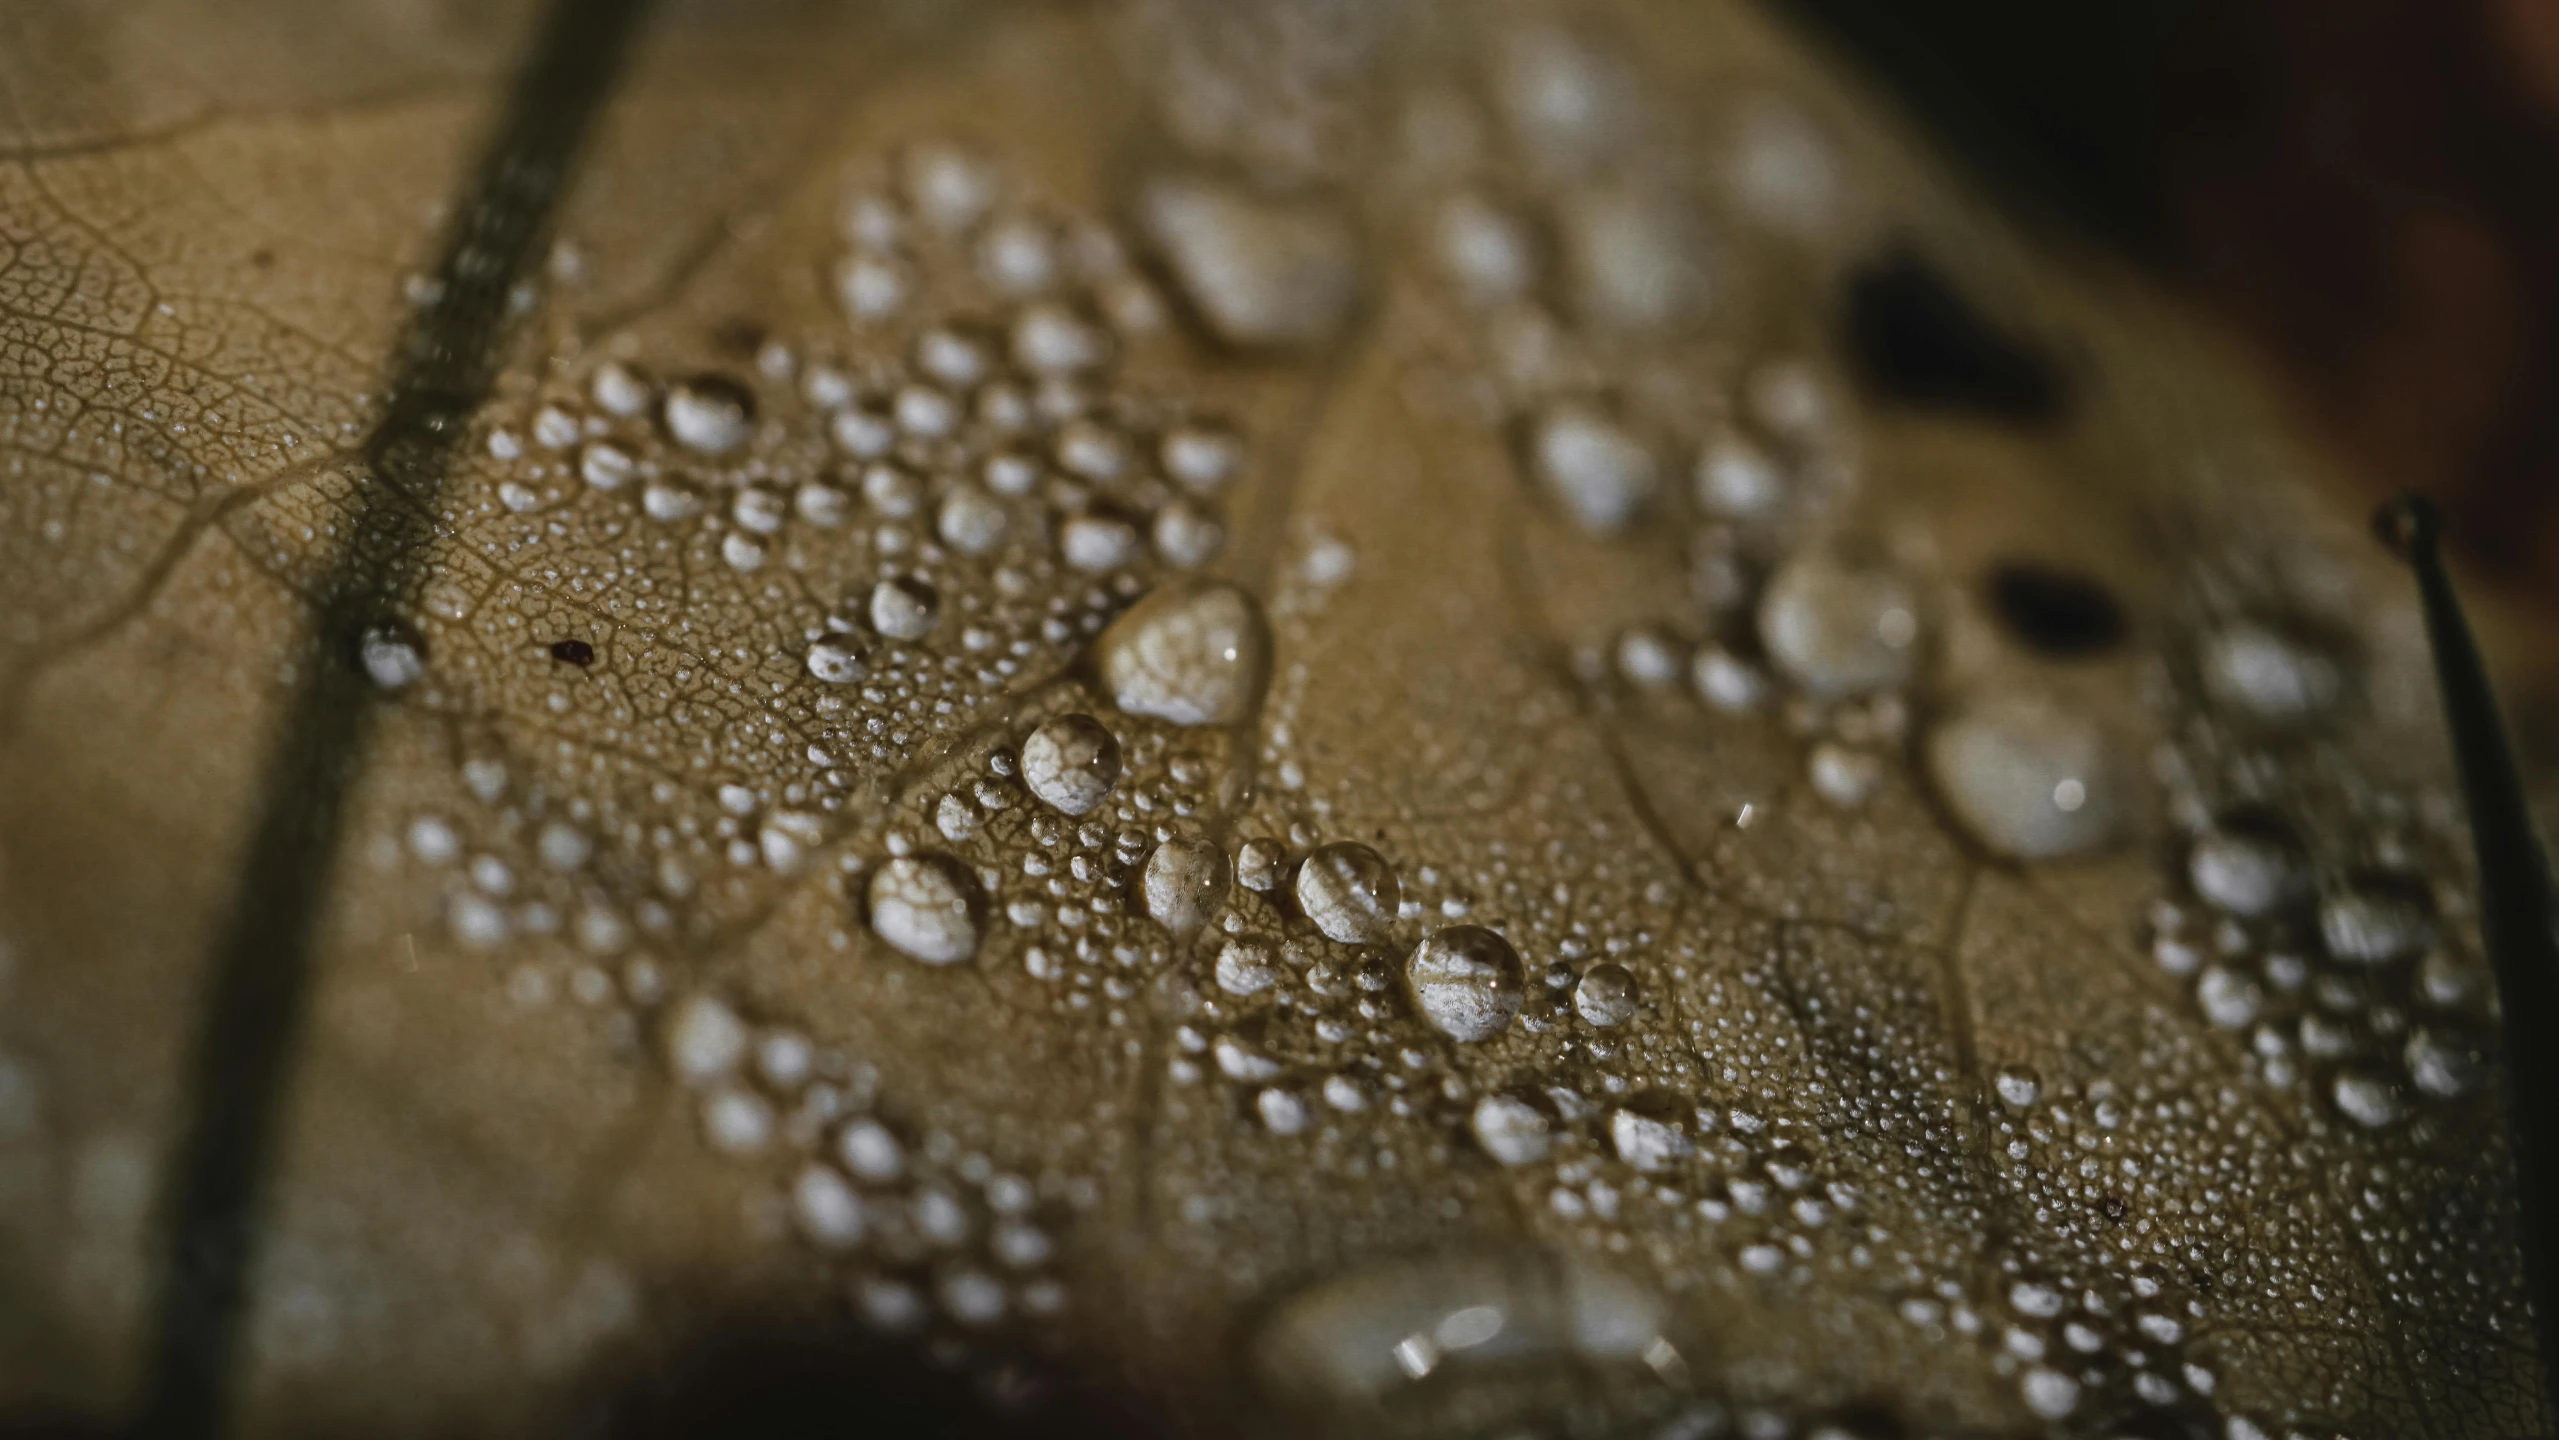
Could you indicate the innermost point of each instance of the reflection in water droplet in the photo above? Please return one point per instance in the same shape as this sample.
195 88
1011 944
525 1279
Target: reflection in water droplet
1349 892
2018 1087
1246 967
2367 1100
2442 1065
1361 1336
2027 778
1467 981
1839 629
925 905
1194 654
1071 763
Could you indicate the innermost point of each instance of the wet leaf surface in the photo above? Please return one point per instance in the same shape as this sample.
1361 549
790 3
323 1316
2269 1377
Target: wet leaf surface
1204 711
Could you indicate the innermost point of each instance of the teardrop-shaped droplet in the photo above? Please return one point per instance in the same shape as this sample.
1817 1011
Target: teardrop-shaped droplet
2027 778
1184 883
1194 653
1071 763
926 906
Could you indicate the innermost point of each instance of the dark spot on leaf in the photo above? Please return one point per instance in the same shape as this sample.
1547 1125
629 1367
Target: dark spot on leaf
738 336
575 652
1916 339
262 259
2059 614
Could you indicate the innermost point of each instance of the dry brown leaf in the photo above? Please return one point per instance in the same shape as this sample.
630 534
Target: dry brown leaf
730 917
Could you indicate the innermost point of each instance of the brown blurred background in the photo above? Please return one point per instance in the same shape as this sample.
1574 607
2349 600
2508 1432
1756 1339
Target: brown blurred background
2368 188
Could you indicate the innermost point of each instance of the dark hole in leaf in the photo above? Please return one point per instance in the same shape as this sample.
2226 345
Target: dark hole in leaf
2056 613
574 652
1918 340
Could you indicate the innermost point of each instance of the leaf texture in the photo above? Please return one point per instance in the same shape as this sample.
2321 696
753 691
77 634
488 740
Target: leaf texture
1920 1005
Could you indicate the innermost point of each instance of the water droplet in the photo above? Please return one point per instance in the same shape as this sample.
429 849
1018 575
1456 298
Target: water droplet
2377 919
2367 1100
2049 1393
1488 251
2247 865
1839 629
604 466
1738 480
2443 1066
1844 775
970 521
619 390
1466 980
2262 673
392 655
705 1040
1186 536
1361 1336
1184 883
926 906
837 660
1349 892
709 414
1071 762
1726 681
826 1209
1606 995
1258 863
949 186
1194 653
870 1151
1512 1131
2229 999
1635 258
1097 543
1246 967
904 608
1591 467
1284 1111
2028 779
2018 1088
1647 1143
1261 274
1201 458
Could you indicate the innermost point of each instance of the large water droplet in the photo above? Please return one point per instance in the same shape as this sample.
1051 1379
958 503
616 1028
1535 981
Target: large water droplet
391 654
1636 259
904 608
1071 763
926 906
1838 628
709 414
1349 892
1184 883
1467 981
1260 273
2029 779
1192 653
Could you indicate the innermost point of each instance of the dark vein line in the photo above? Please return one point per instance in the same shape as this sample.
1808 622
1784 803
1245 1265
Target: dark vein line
262 961
2518 913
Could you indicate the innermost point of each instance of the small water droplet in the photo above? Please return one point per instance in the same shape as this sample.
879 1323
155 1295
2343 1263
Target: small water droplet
2377 919
2247 865
2265 674
392 654
2017 1087
2368 1100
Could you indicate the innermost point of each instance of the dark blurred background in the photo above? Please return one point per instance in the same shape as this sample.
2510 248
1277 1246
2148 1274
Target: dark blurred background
2367 188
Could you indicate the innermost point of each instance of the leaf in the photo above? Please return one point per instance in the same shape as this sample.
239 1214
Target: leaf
718 917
